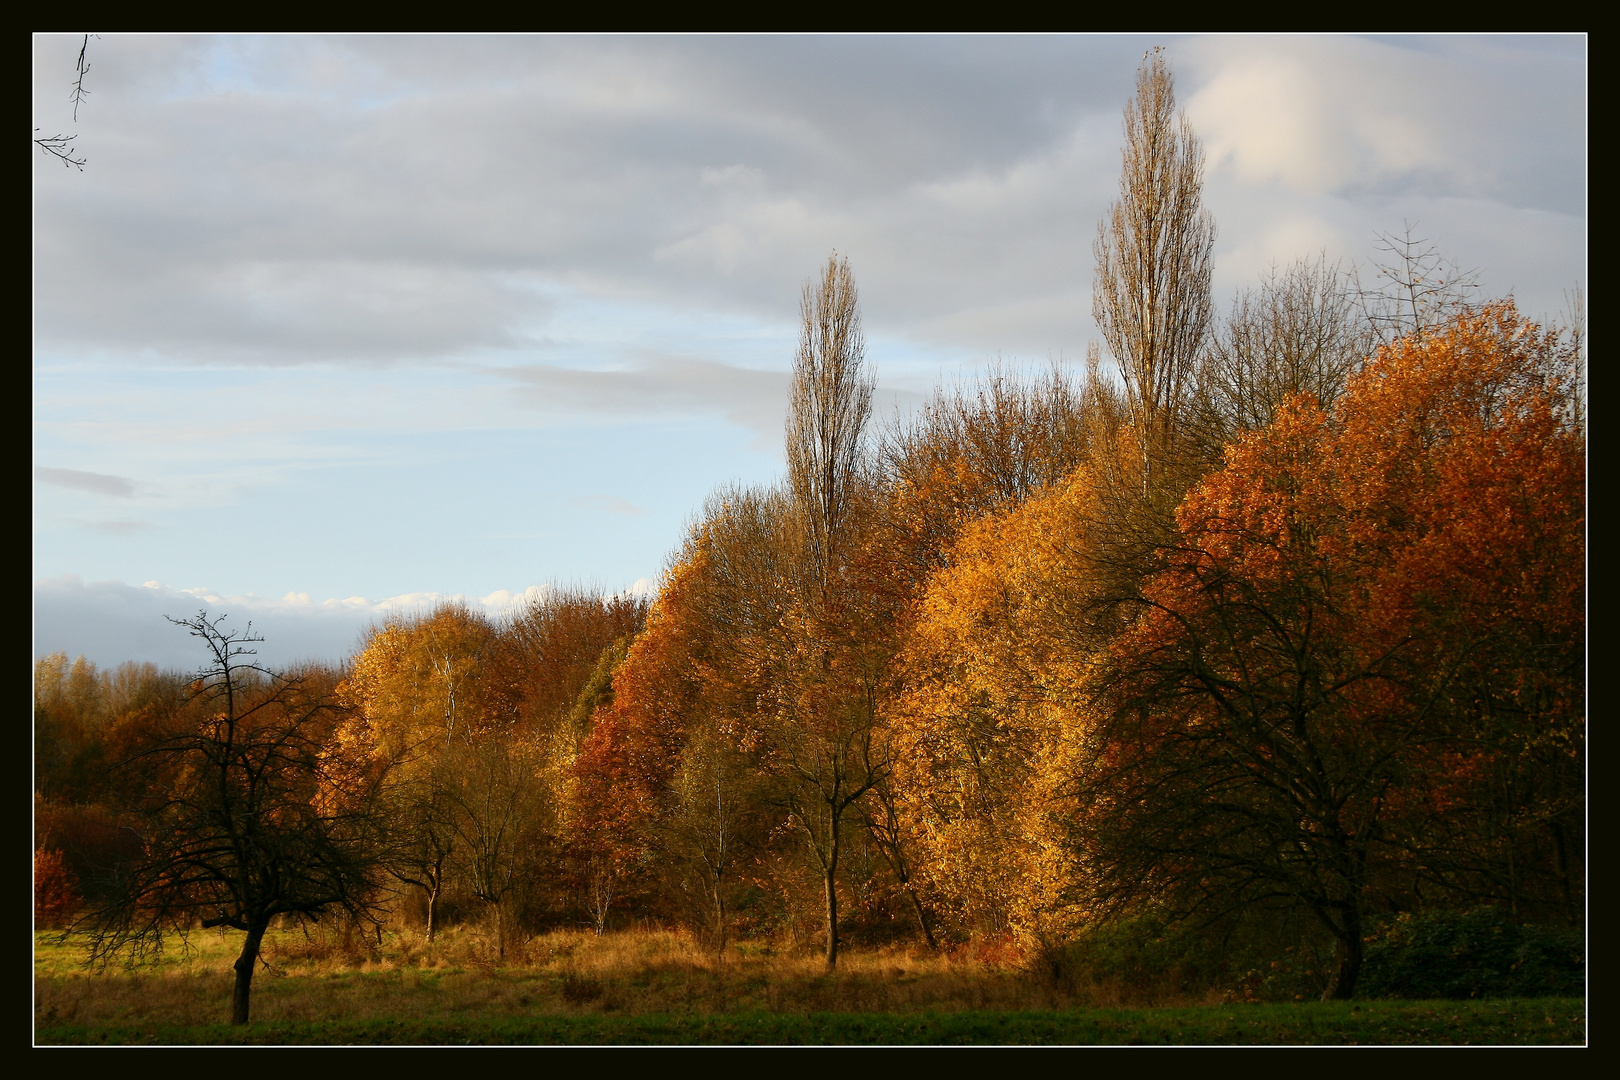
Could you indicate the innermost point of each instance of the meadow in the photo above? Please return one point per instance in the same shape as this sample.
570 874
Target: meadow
657 987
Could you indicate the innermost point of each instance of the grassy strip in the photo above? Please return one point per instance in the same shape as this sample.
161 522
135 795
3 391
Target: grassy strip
1545 1021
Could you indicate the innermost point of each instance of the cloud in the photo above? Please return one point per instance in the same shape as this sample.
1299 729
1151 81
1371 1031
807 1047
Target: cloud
1431 117
117 487
377 200
660 387
111 621
395 211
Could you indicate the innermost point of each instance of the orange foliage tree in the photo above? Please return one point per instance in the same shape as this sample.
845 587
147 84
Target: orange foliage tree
1372 619
417 694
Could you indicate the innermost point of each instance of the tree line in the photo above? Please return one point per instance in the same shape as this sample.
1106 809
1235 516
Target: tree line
1277 620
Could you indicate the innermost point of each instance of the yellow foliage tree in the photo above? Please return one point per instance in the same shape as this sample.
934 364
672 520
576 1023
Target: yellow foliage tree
997 671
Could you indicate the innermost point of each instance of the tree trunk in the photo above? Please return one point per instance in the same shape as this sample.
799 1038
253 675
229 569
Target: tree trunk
244 970
719 918
922 919
433 903
832 900
1347 955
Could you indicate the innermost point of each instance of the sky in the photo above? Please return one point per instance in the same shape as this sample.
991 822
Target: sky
330 329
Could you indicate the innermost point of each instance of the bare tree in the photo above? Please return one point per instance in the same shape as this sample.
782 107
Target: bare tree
1414 286
502 819
1298 332
708 826
240 819
827 413
1151 293
422 838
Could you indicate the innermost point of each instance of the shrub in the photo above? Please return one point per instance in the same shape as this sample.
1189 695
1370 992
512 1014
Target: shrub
1475 954
56 891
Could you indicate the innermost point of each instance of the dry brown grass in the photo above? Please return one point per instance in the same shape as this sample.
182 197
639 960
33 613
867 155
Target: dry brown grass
326 975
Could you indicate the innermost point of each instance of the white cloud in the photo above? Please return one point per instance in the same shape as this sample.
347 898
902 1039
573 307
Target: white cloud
110 621
1462 116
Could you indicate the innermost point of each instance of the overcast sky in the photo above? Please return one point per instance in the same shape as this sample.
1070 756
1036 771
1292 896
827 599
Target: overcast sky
333 327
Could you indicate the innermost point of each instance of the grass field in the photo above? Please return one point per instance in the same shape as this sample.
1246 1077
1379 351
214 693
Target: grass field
657 988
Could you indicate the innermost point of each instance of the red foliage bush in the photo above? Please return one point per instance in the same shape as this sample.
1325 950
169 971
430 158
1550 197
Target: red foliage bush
56 891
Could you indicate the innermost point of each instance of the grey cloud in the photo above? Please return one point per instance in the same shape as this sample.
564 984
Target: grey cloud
324 228
1476 117
661 387
110 622
387 198
117 487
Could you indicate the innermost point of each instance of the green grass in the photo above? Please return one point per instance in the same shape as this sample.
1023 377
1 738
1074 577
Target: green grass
1546 1021
658 988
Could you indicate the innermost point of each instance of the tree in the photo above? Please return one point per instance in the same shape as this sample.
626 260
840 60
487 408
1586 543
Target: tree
1298 332
1373 619
56 892
997 673
1151 292
707 829
501 815
825 737
829 404
239 818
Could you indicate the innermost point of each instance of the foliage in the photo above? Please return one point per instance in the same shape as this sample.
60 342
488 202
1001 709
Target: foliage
1475 954
1172 679
1356 597
56 891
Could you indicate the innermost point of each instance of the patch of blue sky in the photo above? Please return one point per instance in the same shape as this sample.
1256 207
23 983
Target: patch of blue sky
450 511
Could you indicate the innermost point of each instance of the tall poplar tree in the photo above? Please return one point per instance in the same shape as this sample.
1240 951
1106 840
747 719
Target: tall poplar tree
1151 293
826 731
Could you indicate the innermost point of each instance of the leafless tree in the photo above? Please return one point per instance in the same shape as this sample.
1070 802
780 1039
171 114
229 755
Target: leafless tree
239 818
501 817
707 829
831 400
1414 286
1151 293
826 741
1298 332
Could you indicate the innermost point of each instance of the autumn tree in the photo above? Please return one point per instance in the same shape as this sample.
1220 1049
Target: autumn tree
56 890
997 676
825 740
239 819
503 818
417 695
969 452
658 686
1370 613
711 821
